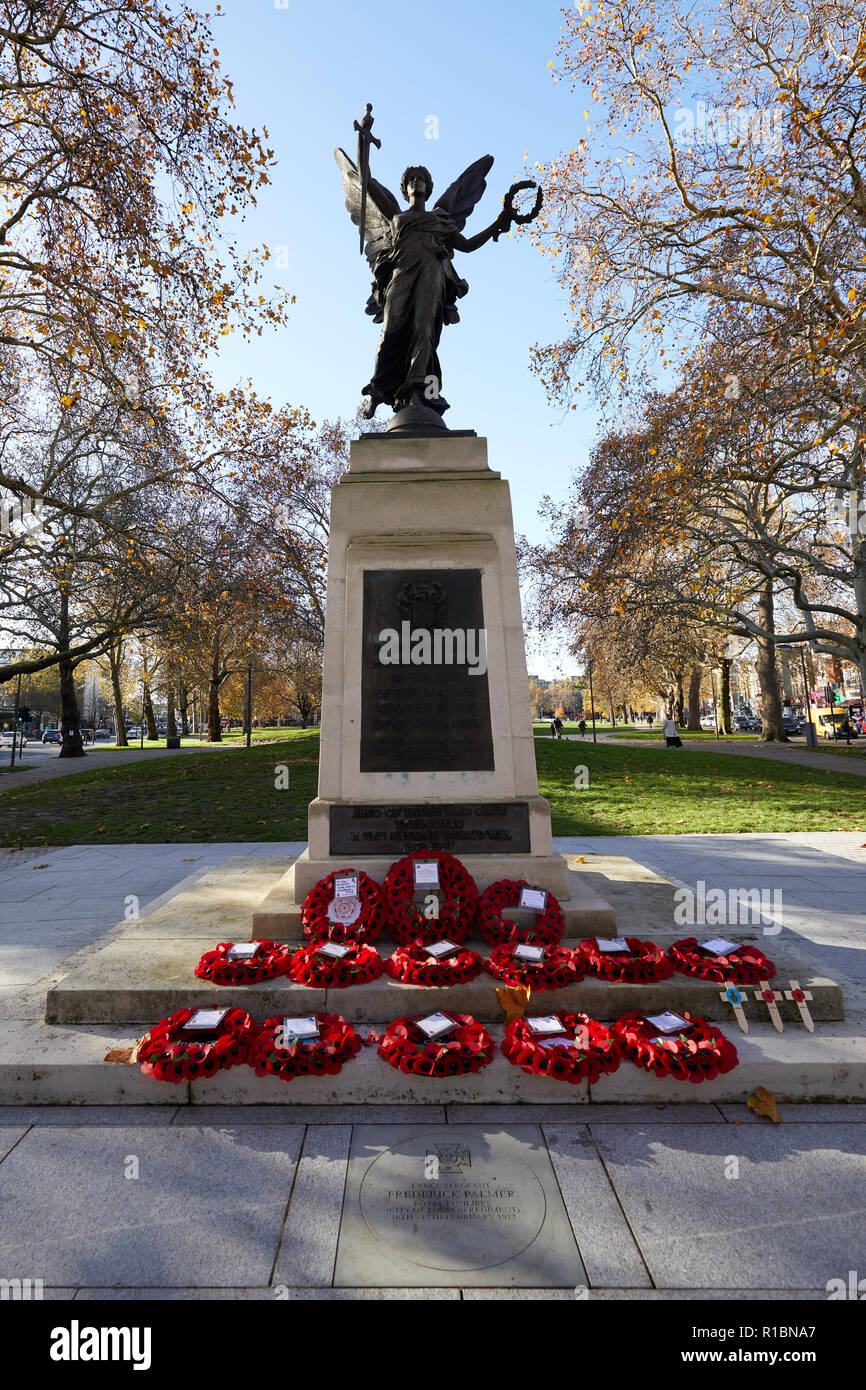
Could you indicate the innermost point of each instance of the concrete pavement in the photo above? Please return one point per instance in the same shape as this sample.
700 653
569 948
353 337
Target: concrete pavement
680 1201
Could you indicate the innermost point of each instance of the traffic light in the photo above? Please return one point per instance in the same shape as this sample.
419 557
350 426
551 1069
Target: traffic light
24 714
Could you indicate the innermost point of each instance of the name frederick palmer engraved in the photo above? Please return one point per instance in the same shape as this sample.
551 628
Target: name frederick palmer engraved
474 1201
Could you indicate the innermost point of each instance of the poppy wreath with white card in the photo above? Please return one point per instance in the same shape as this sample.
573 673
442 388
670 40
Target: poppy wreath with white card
171 1052
323 1055
357 963
643 963
468 1047
547 929
413 965
745 966
557 968
270 959
583 1051
326 916
456 914
700 1052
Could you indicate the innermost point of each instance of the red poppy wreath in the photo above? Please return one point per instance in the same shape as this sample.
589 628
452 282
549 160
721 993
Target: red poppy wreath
412 965
312 965
456 915
558 967
546 930
321 1056
342 924
590 1053
469 1047
642 964
745 966
699 1053
170 1053
270 959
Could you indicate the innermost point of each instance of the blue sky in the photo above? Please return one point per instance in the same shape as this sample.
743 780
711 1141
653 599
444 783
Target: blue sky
306 71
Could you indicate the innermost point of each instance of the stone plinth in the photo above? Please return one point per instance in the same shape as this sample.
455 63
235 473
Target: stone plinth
426 735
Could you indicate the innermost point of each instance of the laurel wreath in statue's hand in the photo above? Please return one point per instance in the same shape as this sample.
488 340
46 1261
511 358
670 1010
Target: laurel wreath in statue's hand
509 212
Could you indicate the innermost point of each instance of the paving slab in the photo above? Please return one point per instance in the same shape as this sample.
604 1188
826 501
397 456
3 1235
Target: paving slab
288 1113
607 1246
816 1113
453 1206
61 1116
596 1295
10 1135
308 1248
207 1205
273 1294
795 1216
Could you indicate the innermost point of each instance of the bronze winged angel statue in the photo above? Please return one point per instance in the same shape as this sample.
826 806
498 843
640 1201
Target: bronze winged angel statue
415 285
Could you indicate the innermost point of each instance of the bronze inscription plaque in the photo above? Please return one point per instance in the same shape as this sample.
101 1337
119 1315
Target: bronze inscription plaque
425 698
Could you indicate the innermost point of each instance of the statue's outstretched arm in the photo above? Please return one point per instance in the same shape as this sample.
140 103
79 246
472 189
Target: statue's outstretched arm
495 230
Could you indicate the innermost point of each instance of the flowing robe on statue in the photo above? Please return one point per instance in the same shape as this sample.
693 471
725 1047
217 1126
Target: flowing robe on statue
415 293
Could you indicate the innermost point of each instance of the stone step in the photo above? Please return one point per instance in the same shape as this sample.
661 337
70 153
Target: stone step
586 912
45 1065
140 980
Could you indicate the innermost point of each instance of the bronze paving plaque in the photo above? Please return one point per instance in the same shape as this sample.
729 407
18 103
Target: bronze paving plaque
454 1205
425 698
460 828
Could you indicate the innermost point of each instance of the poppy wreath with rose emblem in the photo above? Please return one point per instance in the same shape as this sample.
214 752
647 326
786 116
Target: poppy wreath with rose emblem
270 960
322 1056
644 963
457 914
169 1054
701 1054
469 1048
560 967
411 965
749 966
594 1055
314 912
361 964
547 929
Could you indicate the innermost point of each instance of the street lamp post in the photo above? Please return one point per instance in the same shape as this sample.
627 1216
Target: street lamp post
15 720
715 706
249 703
811 738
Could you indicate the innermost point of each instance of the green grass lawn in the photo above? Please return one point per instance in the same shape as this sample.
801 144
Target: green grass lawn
203 797
632 791
640 791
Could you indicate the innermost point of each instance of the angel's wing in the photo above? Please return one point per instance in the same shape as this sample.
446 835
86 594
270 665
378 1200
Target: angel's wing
459 200
381 205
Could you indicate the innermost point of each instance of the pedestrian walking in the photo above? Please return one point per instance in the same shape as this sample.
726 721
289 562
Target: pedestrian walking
672 738
557 724
581 728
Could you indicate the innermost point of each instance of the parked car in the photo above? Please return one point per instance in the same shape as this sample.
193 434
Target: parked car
742 723
52 736
792 724
708 722
102 736
7 738
134 731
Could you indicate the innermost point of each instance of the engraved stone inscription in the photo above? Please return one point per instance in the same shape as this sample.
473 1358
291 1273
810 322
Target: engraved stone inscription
478 1211
479 828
